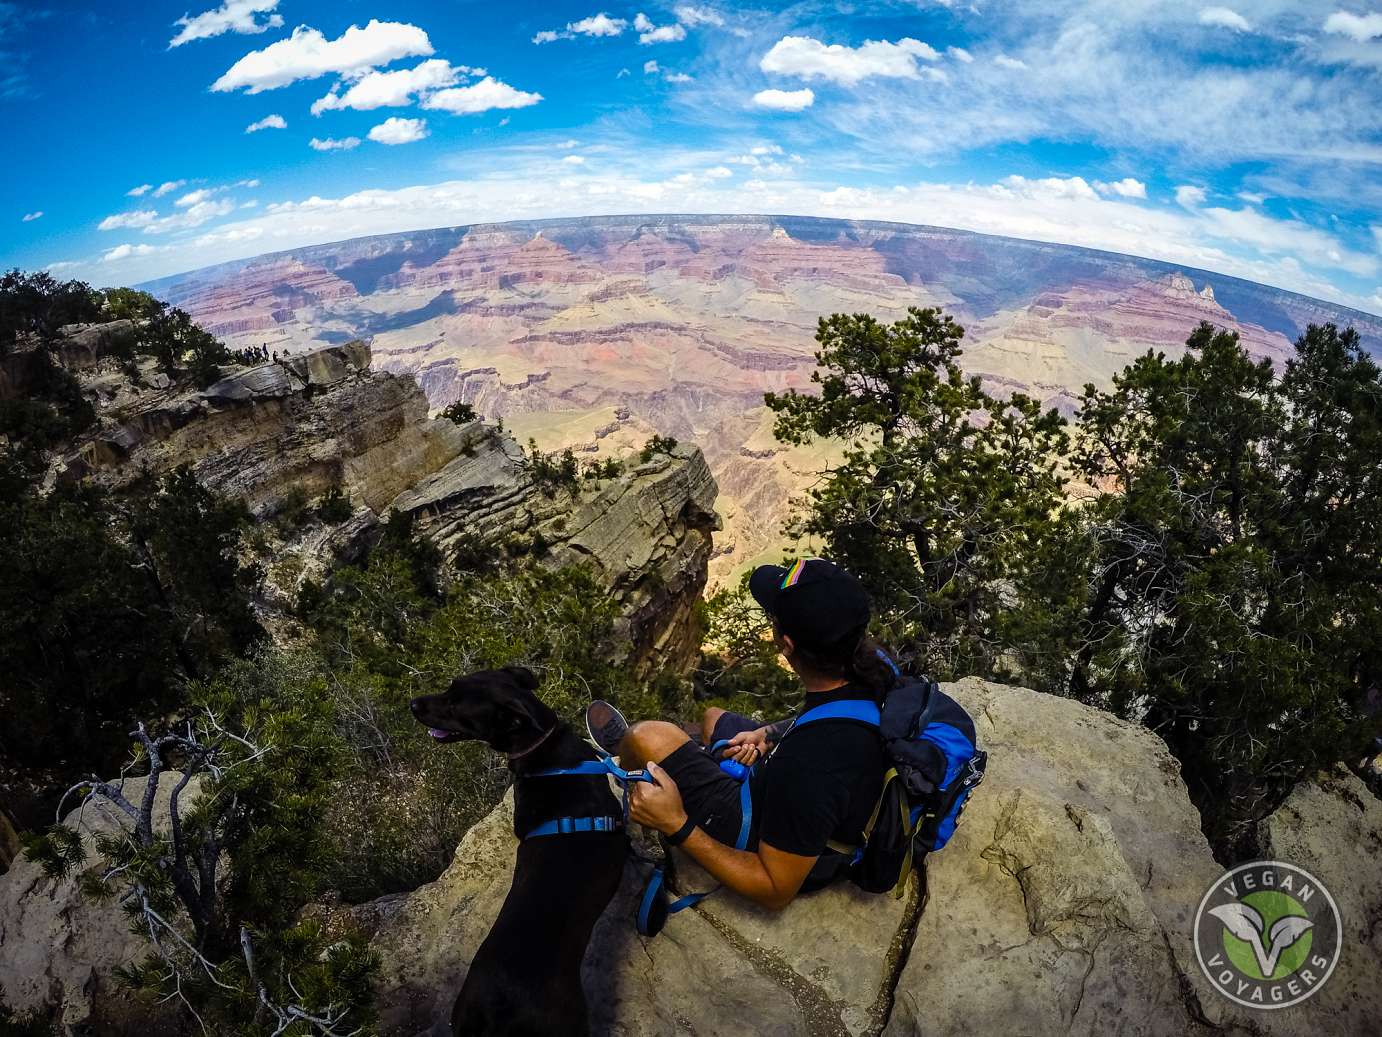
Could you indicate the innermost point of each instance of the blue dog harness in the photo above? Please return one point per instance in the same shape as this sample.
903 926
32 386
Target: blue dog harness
655 892
604 766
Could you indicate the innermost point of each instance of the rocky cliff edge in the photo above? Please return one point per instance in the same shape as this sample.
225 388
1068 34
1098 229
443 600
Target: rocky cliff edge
300 425
1064 905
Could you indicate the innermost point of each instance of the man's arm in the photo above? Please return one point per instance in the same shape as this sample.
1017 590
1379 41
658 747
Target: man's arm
769 877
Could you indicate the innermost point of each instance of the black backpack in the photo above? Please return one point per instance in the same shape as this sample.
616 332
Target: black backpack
936 764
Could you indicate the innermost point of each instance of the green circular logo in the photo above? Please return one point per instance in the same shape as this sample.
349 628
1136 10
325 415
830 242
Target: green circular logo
1267 934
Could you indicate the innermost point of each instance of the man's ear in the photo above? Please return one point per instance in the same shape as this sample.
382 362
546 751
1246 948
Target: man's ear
525 677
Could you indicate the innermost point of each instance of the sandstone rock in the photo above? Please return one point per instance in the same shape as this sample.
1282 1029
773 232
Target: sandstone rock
1064 904
264 382
1332 827
322 419
57 950
646 533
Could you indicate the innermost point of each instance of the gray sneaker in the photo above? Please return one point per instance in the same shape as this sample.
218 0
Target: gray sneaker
606 726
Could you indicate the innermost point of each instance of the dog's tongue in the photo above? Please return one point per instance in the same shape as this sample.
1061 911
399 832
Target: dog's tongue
437 732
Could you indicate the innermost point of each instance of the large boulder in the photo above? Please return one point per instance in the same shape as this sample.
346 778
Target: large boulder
1332 827
58 950
1064 904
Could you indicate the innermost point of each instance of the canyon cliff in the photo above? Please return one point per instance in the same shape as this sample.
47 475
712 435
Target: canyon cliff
593 333
307 423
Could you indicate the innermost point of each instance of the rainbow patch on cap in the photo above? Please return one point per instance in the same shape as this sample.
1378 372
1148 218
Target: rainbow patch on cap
794 573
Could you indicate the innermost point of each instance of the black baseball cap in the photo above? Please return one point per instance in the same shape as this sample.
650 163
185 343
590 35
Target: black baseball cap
814 602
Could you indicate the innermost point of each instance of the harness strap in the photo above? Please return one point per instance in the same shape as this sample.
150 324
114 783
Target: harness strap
605 765
570 825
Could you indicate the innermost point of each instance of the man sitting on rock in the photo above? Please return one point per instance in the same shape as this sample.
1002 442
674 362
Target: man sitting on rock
817 787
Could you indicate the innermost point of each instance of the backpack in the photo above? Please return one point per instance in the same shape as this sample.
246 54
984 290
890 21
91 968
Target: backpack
936 764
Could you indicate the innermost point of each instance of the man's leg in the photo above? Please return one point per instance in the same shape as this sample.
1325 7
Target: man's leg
708 722
650 740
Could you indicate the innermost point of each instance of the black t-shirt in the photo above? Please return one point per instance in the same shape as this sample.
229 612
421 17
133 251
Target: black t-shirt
821 782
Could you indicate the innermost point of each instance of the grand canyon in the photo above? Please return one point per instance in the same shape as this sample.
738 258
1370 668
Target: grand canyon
594 333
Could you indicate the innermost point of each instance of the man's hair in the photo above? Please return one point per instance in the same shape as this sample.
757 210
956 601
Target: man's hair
856 656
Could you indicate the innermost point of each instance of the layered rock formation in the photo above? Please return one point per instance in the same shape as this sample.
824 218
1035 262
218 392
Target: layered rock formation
1064 904
281 431
683 322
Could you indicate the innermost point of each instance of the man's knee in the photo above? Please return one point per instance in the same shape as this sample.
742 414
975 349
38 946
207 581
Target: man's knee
709 720
653 740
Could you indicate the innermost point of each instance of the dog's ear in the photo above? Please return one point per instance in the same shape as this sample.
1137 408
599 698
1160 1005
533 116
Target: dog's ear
525 677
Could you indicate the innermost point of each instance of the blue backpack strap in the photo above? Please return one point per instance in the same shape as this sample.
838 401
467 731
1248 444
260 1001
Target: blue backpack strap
862 710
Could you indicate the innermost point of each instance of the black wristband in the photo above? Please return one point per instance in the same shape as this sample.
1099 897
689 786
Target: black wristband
681 834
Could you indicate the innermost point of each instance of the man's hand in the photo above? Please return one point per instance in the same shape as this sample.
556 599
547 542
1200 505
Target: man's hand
657 806
748 747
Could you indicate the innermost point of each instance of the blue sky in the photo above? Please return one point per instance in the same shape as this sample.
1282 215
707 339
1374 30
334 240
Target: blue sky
1244 138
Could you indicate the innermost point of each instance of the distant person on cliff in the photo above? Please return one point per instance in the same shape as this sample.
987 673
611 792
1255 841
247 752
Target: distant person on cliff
816 788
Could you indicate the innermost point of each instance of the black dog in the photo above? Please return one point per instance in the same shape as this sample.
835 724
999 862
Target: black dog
526 976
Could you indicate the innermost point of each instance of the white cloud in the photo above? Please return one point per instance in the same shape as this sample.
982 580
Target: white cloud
1252 197
567 145
230 236
125 251
394 89
133 220
1225 18
269 122
239 16
480 97
678 77
1050 187
650 66
1003 61
196 197
399 131
332 144
809 58
307 54
1125 188
1360 28
168 187
596 25
623 73
1190 196
574 160
785 100
648 33
960 55
719 173
136 192
194 215
29 217
691 15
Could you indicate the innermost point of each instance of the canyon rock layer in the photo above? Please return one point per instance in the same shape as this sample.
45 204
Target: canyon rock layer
594 332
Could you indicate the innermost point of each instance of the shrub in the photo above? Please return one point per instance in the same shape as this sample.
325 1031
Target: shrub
460 412
657 445
334 506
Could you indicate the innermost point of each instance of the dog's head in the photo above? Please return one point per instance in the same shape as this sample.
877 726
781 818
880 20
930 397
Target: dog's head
497 707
